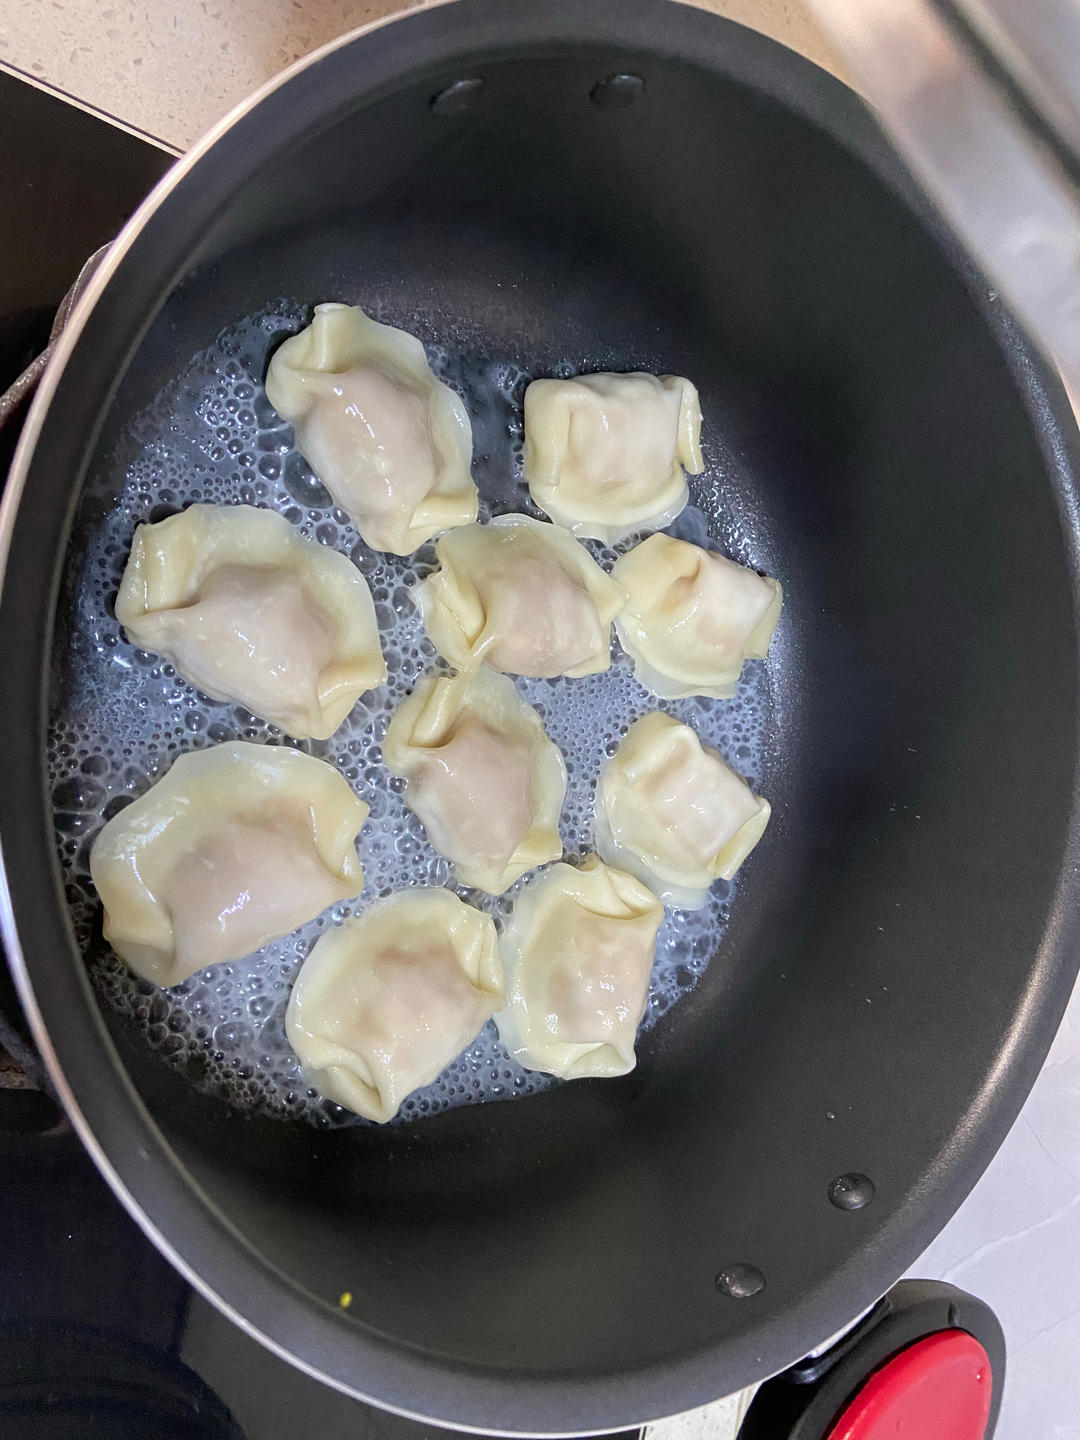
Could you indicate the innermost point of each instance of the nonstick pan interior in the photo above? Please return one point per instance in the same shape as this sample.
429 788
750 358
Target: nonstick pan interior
898 954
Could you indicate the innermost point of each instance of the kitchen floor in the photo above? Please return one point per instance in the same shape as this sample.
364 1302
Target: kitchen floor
1016 1241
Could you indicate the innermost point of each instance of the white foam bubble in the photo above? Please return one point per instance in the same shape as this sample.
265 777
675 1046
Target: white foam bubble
121 716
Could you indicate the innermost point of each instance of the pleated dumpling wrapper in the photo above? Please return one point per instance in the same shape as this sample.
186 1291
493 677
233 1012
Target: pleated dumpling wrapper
234 846
384 1002
483 777
578 951
692 618
672 812
249 611
522 596
391 443
605 454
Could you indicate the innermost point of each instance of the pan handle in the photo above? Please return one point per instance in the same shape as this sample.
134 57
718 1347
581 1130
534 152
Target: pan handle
927 1352
22 388
27 1105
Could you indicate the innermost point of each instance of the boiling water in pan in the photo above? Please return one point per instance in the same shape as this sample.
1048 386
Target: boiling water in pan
120 717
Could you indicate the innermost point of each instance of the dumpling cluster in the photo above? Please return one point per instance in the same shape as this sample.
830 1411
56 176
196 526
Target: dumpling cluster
239 844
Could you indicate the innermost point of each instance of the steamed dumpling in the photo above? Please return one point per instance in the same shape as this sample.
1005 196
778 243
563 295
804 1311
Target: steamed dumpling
391 443
248 610
578 951
522 596
605 454
692 617
669 810
235 846
385 1002
483 777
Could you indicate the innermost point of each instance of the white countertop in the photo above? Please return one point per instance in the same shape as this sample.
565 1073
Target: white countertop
171 71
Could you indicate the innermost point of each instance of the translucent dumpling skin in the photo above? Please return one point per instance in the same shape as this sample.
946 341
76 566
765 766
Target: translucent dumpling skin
391 443
383 1003
481 774
605 454
692 617
521 596
235 846
249 611
673 813
578 952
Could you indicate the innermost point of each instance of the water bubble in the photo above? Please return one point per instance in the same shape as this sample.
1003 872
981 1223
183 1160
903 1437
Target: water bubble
302 485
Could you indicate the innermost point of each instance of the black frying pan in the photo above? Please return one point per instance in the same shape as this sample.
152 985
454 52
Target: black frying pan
902 950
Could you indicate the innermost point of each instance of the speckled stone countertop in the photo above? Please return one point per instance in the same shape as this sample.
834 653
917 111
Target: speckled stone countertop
173 69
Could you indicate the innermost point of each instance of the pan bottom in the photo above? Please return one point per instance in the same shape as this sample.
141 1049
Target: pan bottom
120 716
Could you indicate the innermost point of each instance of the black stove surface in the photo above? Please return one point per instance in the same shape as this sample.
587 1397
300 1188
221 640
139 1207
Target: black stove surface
100 1339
